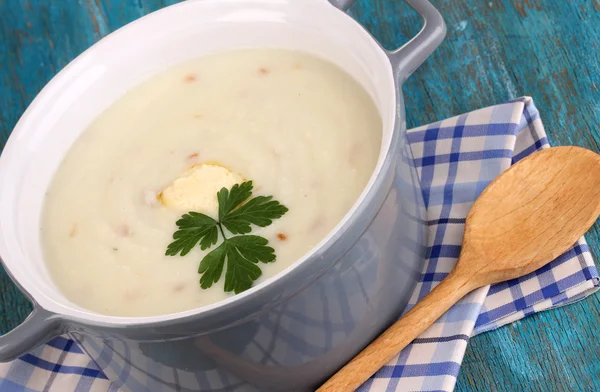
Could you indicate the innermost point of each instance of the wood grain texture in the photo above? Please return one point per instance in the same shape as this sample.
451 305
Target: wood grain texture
528 216
494 51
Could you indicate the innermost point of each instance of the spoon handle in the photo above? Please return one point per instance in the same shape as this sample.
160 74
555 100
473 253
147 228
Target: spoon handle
400 334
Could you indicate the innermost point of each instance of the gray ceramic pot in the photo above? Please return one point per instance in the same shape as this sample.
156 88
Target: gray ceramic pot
289 333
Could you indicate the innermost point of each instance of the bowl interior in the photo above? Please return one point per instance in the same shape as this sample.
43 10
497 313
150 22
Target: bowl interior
94 80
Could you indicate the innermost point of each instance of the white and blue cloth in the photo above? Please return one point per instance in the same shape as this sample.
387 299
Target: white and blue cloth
456 158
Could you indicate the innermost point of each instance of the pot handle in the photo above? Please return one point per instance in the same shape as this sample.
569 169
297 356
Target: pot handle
409 57
38 328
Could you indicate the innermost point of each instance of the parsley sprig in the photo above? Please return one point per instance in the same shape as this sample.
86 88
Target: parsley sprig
241 253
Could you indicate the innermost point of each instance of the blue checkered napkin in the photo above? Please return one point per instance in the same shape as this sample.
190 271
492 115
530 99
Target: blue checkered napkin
456 159
57 366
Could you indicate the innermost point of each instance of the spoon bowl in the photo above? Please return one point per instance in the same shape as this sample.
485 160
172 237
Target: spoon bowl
524 219
531 214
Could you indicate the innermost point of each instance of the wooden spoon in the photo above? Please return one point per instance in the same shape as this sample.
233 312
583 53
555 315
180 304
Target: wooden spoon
524 219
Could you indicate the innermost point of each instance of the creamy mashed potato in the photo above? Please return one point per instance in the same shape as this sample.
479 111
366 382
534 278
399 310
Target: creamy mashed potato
299 127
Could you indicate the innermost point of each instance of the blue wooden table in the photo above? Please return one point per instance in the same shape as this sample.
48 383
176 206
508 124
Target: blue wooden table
495 51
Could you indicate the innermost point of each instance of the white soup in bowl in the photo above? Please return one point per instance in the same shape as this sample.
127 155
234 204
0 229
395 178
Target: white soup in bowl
301 129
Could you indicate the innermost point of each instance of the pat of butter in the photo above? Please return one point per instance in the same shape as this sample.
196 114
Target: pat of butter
196 189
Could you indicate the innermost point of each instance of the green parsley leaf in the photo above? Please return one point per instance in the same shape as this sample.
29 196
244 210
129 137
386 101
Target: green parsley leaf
194 227
259 211
239 255
228 200
211 266
243 252
253 248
